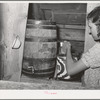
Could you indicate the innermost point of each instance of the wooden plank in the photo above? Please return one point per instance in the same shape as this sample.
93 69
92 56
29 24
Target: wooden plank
13 23
39 84
67 7
64 17
71 34
78 19
77 48
91 76
67 12
71 26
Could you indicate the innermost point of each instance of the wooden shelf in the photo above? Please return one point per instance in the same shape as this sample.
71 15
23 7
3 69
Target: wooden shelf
71 26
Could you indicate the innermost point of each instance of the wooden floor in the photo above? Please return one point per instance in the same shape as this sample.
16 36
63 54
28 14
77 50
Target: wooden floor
28 83
51 83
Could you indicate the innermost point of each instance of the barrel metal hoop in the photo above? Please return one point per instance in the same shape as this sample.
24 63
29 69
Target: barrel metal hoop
39 59
39 71
40 22
48 75
41 27
40 39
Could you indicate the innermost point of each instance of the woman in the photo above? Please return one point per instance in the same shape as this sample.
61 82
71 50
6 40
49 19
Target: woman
90 59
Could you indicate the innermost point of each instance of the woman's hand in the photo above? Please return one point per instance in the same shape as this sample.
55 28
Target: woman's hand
66 46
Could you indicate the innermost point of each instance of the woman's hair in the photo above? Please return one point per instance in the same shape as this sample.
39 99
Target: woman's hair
94 16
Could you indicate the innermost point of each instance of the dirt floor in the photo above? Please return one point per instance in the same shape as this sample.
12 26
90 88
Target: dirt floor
28 83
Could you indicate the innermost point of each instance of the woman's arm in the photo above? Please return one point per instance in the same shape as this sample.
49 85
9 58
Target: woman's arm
72 66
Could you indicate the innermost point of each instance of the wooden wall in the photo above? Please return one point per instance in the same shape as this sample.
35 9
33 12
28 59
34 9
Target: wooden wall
70 19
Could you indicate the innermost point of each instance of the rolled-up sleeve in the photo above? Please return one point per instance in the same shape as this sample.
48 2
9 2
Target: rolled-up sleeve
92 57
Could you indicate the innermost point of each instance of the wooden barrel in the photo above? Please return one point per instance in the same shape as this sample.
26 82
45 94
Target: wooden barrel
40 51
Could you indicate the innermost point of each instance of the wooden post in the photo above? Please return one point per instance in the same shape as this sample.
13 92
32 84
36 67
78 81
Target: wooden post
13 17
91 76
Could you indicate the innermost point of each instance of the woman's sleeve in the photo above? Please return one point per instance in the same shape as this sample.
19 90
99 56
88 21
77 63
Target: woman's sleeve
92 57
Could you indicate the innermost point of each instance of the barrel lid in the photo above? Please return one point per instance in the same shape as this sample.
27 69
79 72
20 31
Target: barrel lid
40 22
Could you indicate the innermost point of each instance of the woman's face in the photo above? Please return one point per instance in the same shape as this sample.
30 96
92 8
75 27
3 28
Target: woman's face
93 30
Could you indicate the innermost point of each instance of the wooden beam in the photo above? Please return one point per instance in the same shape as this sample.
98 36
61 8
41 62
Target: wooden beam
71 26
13 24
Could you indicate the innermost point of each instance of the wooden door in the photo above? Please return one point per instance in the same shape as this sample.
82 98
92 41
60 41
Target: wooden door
13 17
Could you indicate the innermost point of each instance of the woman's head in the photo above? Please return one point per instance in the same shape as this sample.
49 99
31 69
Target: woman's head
94 23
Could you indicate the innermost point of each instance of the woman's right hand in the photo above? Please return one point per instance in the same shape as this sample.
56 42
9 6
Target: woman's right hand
66 46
